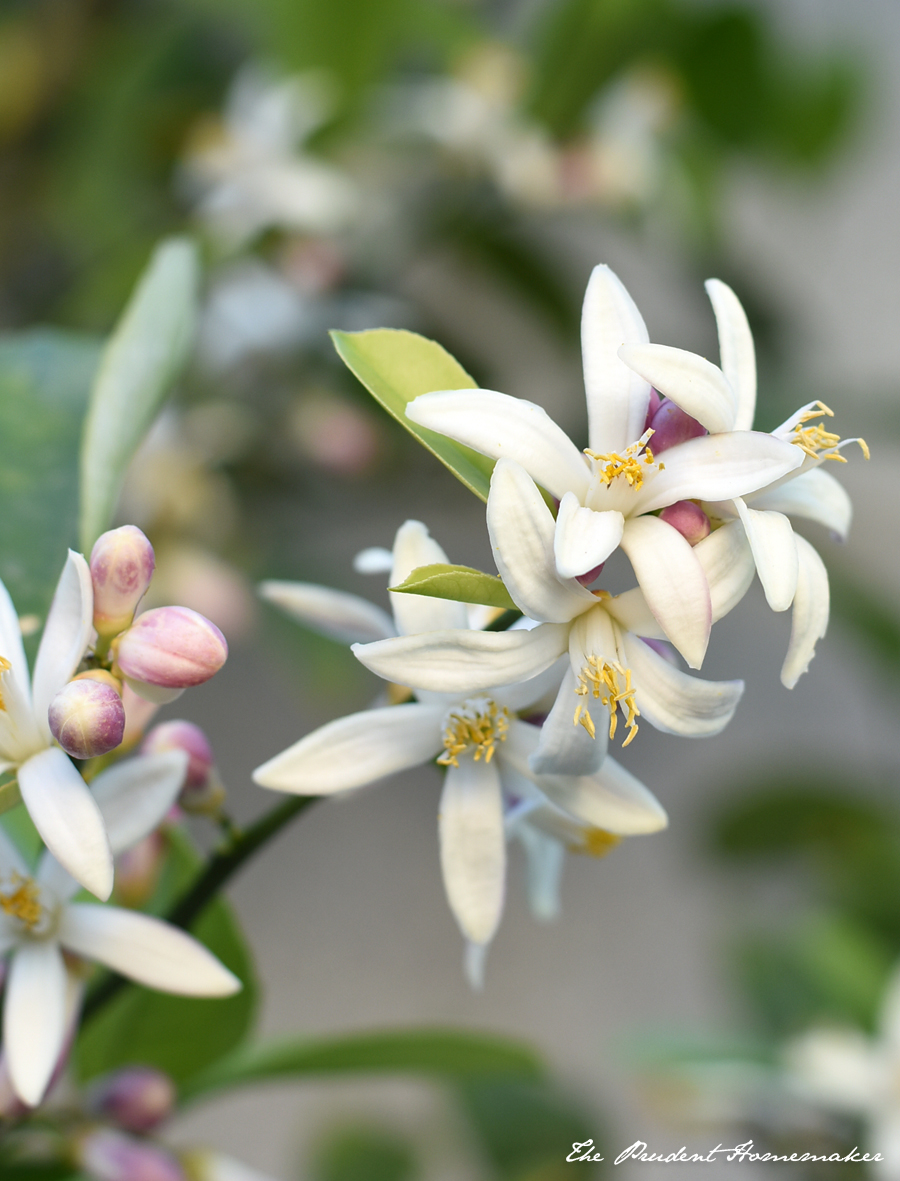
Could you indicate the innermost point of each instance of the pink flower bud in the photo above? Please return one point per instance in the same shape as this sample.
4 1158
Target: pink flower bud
87 718
202 792
652 407
170 648
591 575
137 1098
122 565
672 426
688 518
138 870
107 1155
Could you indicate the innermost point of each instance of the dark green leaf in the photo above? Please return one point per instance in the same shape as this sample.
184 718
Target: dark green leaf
439 1052
363 1154
45 377
180 1035
461 583
396 366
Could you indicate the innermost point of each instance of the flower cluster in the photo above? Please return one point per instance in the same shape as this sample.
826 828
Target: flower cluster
62 734
522 718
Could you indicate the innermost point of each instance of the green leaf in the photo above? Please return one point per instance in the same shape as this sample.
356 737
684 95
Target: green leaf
462 583
396 366
45 377
143 358
180 1035
442 1052
363 1154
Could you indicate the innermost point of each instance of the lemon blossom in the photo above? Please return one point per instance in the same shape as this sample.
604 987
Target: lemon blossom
609 492
39 921
57 798
724 401
611 667
477 736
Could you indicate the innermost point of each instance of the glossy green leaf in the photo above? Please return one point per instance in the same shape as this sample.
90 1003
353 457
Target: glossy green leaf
45 377
180 1035
143 358
396 366
441 1052
462 583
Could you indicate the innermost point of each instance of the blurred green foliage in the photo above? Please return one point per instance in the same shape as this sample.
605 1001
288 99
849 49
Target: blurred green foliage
363 1154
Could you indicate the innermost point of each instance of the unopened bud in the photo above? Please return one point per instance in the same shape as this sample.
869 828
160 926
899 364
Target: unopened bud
137 1098
653 403
688 518
107 1155
87 718
671 426
122 565
202 791
138 870
169 649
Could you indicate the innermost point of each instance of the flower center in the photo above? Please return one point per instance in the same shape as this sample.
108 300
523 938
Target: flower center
630 465
814 440
611 684
596 842
478 723
20 898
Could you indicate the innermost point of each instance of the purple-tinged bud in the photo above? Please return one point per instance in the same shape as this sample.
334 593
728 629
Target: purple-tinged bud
138 1098
169 648
652 407
688 518
671 426
590 576
662 648
203 792
107 1155
138 870
122 565
87 718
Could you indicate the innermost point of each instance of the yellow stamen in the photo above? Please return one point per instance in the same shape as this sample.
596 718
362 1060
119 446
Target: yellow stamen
23 902
629 465
478 723
812 440
5 666
611 684
596 842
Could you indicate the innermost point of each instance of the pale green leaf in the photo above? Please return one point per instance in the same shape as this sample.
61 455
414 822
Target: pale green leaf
461 583
142 360
396 366
442 1052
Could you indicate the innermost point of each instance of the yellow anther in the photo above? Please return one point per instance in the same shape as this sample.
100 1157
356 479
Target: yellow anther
478 723
630 464
813 440
23 901
611 684
5 666
596 842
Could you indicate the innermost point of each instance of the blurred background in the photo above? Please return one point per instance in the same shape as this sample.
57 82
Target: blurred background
458 167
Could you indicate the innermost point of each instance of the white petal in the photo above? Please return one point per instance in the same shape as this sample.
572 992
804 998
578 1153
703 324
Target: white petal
374 560
20 733
736 350
700 388
771 538
674 702
212 1166
502 427
420 613
356 750
465 661
617 398
717 467
522 532
583 538
34 1017
333 613
67 634
473 846
727 562
565 747
11 647
134 796
144 949
65 814
535 692
836 1067
545 857
632 614
810 615
673 582
815 495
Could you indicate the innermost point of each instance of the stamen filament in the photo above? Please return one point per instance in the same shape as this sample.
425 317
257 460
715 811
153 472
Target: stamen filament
629 464
604 681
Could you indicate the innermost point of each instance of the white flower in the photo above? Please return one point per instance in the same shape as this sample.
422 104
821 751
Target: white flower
610 666
214 1166
57 798
608 493
724 400
478 737
38 922
846 1071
